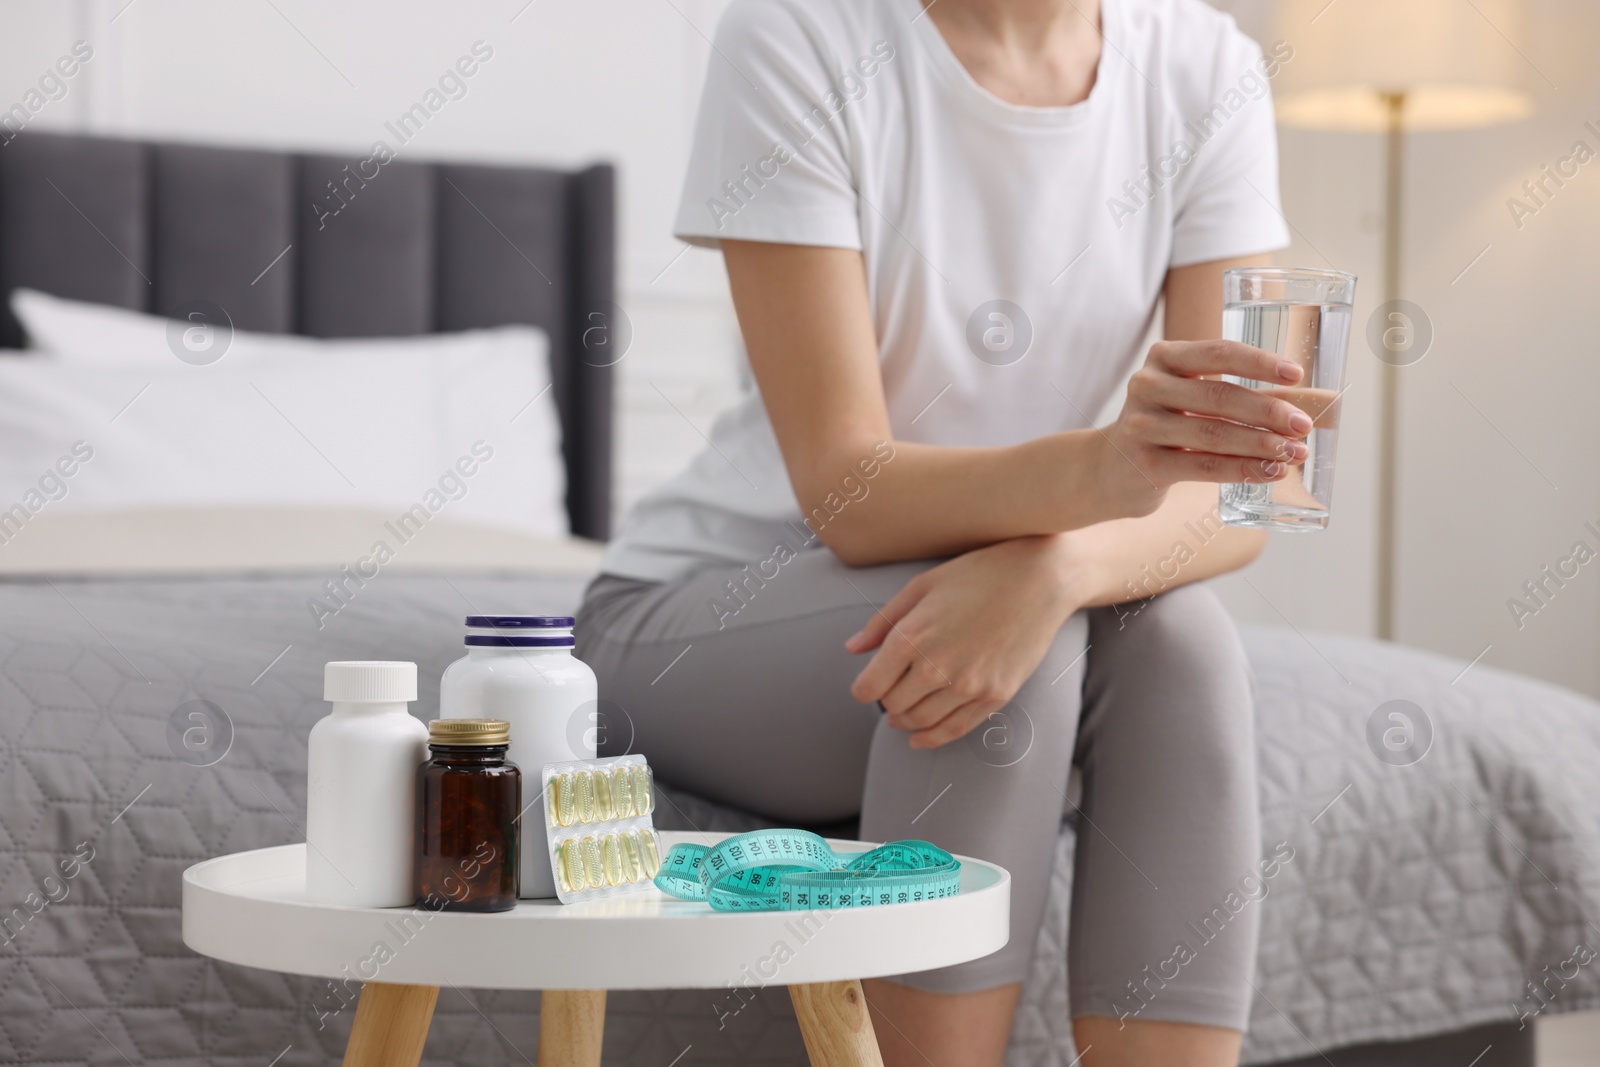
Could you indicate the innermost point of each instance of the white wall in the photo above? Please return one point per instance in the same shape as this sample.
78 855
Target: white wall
1478 515
578 80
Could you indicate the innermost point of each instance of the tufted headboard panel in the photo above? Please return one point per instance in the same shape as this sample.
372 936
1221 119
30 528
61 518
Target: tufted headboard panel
331 247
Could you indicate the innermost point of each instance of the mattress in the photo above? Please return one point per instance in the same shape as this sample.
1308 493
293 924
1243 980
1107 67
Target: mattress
1423 894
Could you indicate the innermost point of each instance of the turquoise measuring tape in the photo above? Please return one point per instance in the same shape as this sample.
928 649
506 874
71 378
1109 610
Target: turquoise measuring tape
792 870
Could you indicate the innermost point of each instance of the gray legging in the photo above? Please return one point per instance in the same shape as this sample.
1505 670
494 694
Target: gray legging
752 708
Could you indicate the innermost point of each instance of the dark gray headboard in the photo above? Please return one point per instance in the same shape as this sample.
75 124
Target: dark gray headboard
386 249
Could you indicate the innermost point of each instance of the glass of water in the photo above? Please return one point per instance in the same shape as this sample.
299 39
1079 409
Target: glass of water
1304 316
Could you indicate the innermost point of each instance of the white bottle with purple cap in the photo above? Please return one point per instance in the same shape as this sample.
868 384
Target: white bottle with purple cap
520 668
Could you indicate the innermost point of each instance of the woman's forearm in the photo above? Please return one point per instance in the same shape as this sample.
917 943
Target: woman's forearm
896 500
813 349
1182 541
872 499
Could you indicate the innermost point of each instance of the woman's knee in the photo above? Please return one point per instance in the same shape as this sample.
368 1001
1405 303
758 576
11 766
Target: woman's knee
1173 677
1186 630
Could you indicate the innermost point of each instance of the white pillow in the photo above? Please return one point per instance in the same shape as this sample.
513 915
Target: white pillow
464 425
98 333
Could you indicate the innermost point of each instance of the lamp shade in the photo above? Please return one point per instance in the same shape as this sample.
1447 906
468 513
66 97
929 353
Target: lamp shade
1458 62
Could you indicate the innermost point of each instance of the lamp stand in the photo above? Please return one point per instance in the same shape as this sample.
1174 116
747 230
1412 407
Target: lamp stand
1388 374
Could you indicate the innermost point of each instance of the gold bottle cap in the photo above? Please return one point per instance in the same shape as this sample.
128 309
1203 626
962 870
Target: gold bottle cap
469 732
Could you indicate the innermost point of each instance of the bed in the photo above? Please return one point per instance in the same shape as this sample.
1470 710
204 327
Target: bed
1434 906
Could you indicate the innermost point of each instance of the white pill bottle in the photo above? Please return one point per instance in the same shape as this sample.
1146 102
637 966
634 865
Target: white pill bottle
361 786
520 668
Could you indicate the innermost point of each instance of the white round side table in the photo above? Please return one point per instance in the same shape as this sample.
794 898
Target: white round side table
250 908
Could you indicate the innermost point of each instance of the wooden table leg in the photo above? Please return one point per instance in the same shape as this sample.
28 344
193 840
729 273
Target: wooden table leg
391 1025
572 1023
834 1021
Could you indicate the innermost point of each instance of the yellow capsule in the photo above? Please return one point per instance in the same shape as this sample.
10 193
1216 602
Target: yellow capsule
566 805
583 790
652 855
572 865
613 860
593 866
603 804
552 802
632 862
643 794
622 789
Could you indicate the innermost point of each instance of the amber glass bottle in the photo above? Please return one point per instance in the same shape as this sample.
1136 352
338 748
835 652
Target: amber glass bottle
468 798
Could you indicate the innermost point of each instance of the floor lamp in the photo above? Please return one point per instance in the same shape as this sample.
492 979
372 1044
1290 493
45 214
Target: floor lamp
1393 66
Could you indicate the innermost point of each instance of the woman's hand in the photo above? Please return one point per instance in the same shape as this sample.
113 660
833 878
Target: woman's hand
959 640
1179 426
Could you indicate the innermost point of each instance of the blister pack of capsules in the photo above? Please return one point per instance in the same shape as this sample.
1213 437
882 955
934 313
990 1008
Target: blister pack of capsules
597 813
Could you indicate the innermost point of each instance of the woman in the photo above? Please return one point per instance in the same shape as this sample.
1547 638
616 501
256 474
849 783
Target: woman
908 578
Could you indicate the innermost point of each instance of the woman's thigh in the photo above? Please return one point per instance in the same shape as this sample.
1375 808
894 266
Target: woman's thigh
747 701
737 686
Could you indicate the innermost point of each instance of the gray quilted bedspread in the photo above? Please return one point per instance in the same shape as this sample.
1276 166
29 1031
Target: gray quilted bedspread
1424 894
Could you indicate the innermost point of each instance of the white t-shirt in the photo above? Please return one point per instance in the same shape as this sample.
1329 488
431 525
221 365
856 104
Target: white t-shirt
1014 255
